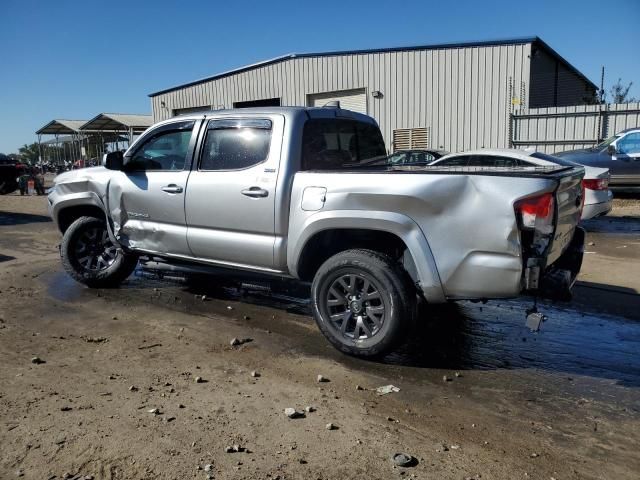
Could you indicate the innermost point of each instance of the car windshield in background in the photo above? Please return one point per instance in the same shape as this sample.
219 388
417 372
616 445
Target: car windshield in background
606 143
551 158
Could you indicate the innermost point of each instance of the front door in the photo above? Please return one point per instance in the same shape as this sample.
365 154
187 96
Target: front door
230 202
146 199
625 164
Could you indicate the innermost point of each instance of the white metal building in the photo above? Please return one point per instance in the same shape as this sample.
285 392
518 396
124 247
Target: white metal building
451 96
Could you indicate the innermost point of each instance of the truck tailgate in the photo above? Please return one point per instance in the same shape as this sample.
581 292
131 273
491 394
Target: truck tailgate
569 198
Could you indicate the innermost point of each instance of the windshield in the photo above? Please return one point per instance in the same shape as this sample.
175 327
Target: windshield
607 142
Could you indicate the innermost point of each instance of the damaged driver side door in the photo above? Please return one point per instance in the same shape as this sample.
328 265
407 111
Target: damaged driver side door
146 199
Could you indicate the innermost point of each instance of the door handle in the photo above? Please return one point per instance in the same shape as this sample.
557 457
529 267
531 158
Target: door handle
255 192
172 188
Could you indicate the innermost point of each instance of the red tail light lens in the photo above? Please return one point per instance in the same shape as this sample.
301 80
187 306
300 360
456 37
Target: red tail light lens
596 183
536 212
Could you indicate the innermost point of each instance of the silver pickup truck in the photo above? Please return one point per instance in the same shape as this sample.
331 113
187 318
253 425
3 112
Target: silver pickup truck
308 193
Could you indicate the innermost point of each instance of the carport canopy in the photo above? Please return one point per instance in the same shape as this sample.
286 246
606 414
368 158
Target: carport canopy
61 127
118 122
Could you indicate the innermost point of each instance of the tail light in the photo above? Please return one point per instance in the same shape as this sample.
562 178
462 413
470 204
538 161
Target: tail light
596 183
536 212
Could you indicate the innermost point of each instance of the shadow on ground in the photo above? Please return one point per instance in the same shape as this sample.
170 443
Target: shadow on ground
460 336
13 218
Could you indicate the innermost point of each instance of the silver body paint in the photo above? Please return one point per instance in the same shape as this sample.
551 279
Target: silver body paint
460 228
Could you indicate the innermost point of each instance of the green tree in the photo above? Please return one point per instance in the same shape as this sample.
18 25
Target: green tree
29 153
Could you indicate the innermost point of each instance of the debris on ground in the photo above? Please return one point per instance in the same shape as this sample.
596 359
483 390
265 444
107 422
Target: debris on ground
133 388
385 389
234 449
404 460
93 339
37 360
154 411
293 413
239 341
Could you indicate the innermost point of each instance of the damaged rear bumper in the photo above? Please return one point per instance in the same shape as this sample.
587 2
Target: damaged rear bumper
557 280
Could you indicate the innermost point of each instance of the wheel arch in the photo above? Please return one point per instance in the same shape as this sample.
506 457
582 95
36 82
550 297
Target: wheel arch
327 233
68 211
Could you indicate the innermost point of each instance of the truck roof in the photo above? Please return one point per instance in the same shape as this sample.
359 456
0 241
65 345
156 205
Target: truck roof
312 112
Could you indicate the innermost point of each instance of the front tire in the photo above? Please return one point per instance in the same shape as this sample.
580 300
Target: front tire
89 256
363 302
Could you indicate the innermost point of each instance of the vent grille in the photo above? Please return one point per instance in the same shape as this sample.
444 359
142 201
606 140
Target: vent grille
410 138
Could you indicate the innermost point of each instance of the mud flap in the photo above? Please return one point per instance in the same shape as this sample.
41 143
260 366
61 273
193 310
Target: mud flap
558 279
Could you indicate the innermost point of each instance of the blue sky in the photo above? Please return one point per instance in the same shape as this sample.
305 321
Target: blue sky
73 60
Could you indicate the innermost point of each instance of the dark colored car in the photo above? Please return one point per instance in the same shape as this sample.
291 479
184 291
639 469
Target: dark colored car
9 173
415 157
620 154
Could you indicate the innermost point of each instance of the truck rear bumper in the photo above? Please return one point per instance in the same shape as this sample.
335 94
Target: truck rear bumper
558 279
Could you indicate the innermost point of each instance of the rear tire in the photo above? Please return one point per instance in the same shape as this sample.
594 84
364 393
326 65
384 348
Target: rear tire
89 256
363 302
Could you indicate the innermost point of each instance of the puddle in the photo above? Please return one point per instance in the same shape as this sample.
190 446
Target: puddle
62 287
464 336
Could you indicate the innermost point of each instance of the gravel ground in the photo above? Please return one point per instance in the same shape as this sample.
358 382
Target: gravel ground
116 395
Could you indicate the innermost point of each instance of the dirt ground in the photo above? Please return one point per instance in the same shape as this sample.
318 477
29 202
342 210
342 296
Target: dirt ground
560 404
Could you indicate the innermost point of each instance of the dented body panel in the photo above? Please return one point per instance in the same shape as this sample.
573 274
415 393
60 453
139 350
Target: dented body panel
462 236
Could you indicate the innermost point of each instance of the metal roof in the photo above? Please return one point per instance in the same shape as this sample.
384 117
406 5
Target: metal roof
57 127
117 122
509 41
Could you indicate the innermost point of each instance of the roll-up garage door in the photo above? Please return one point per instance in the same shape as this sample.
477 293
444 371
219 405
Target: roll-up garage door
354 100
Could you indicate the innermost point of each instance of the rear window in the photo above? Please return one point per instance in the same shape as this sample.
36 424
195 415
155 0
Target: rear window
556 160
332 144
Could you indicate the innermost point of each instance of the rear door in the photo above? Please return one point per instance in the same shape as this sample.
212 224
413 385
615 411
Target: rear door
230 200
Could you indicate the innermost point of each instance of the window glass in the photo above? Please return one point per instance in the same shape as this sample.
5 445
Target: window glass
167 150
453 162
329 144
492 161
629 144
235 145
557 160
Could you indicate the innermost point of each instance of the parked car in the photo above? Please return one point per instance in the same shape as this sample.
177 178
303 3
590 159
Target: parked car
598 199
10 170
296 192
415 157
620 154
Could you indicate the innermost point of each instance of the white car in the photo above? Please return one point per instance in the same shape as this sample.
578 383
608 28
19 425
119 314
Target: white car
597 199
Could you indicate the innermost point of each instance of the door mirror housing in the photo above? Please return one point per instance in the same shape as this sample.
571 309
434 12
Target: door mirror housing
113 160
612 150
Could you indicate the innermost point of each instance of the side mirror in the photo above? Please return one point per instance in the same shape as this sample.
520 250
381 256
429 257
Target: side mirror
113 160
612 150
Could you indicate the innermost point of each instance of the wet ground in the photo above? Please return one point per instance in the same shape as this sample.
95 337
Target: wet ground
560 403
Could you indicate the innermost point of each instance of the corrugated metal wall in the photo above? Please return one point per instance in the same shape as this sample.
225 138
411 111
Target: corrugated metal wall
463 95
553 84
566 128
